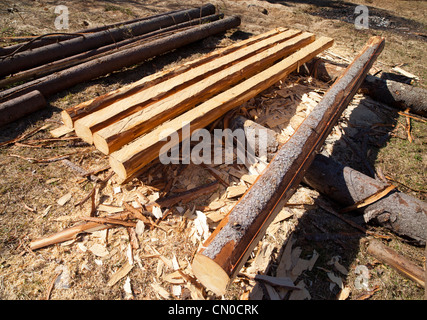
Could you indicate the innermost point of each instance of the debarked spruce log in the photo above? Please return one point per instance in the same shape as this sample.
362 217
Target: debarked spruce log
227 249
28 59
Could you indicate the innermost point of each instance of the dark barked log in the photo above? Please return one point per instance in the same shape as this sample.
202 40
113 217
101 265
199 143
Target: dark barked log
395 94
28 59
397 211
28 103
227 249
92 69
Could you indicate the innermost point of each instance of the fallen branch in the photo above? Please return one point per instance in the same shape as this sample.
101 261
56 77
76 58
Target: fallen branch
109 221
398 262
188 195
43 160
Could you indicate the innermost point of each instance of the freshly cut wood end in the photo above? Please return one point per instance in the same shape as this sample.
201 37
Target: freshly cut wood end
118 168
210 274
101 144
66 119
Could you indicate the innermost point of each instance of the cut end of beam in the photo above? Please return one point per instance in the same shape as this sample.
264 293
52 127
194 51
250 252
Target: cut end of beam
118 168
210 274
66 119
83 132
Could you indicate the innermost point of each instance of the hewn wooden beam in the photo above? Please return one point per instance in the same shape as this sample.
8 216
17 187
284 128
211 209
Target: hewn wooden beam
71 115
150 96
227 249
117 134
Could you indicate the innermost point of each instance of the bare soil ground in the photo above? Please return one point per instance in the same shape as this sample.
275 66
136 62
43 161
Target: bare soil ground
79 269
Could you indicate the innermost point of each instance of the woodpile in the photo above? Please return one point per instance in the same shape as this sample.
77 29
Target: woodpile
132 124
129 123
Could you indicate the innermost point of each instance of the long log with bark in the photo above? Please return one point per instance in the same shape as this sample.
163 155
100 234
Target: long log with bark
42 40
45 54
29 103
227 249
69 77
393 93
397 211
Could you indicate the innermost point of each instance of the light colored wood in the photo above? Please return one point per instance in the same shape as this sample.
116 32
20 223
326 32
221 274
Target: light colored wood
127 161
236 191
72 232
119 274
74 113
116 135
86 126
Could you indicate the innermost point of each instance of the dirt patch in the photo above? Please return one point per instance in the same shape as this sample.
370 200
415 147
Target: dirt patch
29 191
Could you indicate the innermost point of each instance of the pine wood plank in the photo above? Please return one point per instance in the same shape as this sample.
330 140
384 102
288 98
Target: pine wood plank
130 159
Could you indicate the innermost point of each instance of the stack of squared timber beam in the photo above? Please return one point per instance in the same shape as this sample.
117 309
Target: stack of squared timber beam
52 67
129 124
